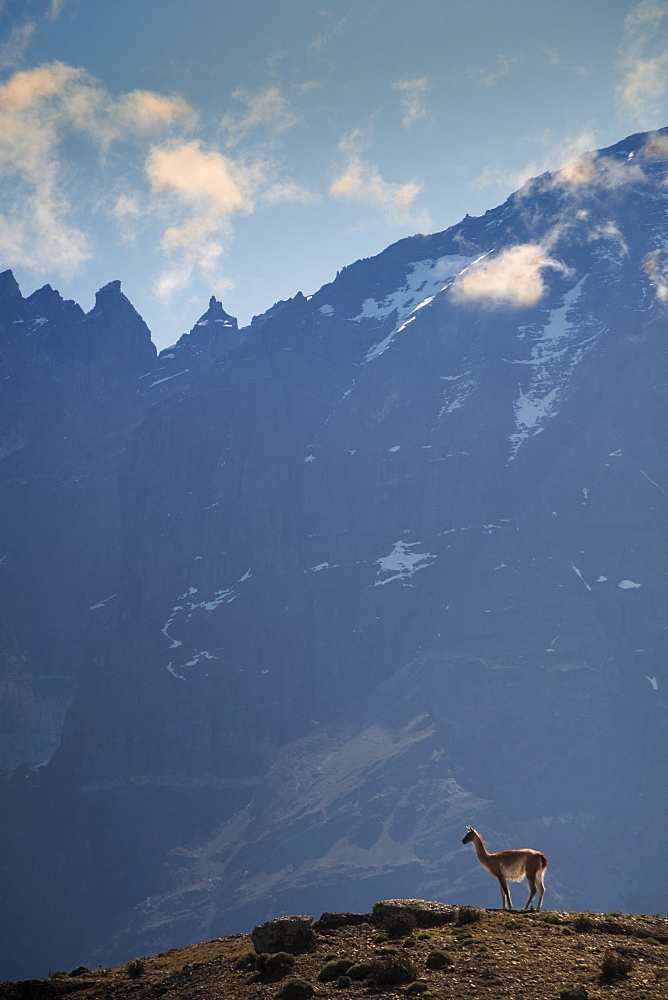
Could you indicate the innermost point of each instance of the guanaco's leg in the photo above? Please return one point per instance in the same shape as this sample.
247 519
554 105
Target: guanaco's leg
532 886
505 894
541 886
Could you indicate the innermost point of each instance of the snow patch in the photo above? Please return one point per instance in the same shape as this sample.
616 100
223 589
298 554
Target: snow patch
158 381
424 281
402 563
190 604
650 480
378 349
36 323
456 395
555 353
100 604
628 585
579 575
326 310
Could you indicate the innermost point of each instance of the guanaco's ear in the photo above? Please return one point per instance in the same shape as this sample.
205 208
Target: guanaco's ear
470 829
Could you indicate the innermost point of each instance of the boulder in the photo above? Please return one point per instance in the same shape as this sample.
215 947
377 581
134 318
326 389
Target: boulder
426 912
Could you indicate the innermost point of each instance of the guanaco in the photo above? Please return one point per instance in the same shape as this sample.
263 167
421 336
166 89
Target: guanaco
511 866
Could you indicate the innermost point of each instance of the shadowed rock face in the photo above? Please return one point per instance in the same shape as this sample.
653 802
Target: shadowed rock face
387 562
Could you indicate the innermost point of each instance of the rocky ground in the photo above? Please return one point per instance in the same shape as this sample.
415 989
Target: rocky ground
405 948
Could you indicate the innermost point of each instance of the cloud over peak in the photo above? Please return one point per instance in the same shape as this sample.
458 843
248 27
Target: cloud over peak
512 279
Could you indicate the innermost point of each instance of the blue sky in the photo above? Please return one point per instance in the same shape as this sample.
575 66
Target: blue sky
250 150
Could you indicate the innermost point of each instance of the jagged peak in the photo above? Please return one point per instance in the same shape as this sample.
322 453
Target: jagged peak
45 298
216 314
9 286
111 290
110 298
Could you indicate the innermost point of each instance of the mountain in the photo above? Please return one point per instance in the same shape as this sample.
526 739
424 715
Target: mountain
387 561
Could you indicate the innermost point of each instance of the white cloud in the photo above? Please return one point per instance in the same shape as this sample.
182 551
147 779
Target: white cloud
656 145
512 279
37 229
644 62
609 231
554 59
196 176
578 172
56 8
13 49
413 99
490 77
557 154
39 235
183 199
361 181
268 109
656 270
40 110
214 188
290 192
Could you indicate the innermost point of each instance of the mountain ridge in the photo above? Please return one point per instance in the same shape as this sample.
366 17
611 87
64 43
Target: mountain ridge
424 505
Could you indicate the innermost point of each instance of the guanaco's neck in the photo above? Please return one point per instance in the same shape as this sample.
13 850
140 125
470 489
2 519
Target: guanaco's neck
480 848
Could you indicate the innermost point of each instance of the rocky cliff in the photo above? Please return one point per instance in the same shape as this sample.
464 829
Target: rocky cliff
389 560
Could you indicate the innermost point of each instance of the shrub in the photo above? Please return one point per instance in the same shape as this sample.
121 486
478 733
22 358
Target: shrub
246 961
615 966
576 993
360 971
294 934
136 968
419 986
343 982
333 970
296 989
585 922
439 959
392 970
399 924
275 966
468 915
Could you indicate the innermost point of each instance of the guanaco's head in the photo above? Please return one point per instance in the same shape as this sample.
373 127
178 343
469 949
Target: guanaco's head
470 834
